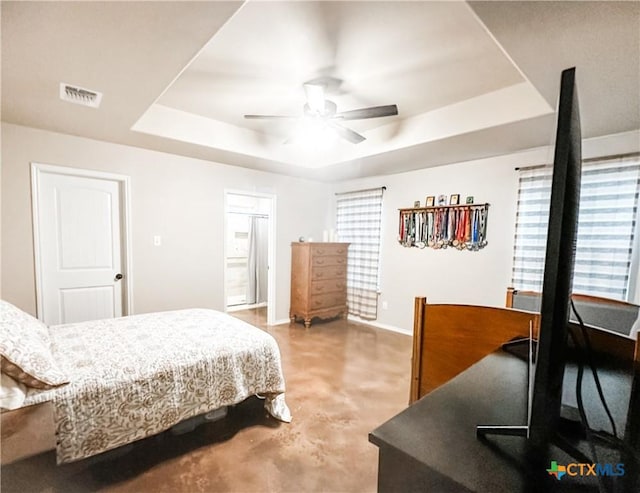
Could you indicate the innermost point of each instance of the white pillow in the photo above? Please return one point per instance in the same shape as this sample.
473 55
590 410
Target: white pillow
25 352
12 393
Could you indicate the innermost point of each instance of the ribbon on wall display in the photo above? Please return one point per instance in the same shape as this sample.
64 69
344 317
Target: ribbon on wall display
463 227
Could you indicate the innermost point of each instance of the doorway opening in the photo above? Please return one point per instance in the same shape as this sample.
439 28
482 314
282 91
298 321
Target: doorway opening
249 252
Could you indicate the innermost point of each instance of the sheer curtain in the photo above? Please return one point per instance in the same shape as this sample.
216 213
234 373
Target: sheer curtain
358 221
258 238
606 229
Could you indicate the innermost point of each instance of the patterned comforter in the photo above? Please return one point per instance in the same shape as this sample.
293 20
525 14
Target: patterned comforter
136 376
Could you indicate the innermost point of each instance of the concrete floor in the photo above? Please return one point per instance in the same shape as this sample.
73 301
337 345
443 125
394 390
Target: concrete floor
343 380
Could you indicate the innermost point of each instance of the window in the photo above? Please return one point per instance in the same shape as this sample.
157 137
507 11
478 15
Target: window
358 221
606 227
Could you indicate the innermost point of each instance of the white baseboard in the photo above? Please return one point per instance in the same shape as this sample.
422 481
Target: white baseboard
379 325
237 308
353 318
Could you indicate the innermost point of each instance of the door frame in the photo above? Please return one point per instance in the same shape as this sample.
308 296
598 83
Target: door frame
271 253
124 182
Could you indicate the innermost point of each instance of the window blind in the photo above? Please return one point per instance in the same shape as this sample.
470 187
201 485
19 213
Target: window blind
606 227
358 221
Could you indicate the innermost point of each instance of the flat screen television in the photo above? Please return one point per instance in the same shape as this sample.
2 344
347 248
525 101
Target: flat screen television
558 267
545 396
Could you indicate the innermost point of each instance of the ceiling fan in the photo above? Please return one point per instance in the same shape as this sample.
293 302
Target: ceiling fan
318 108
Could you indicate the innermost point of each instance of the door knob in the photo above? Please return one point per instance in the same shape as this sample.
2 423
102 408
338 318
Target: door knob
119 276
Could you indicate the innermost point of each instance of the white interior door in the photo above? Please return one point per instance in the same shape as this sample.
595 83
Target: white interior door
79 242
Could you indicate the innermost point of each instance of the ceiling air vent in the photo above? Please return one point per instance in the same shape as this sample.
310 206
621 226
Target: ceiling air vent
79 95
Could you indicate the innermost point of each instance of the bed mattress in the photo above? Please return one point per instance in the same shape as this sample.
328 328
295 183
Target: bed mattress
136 376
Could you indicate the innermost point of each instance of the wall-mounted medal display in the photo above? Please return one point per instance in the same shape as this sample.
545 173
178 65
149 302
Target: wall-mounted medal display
459 226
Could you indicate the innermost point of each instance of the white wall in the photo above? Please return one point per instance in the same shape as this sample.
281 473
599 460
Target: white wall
452 276
179 198
182 199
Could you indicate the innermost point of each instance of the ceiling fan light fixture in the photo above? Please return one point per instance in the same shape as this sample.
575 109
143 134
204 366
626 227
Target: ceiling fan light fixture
316 102
313 133
323 113
328 111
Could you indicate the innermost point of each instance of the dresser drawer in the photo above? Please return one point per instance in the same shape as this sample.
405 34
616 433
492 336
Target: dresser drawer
320 250
328 300
328 286
329 272
329 260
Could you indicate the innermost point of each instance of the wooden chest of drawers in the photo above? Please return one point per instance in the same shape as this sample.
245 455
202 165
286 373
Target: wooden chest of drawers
318 281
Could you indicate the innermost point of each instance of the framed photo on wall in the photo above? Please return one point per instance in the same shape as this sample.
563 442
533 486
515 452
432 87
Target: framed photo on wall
442 200
430 202
455 199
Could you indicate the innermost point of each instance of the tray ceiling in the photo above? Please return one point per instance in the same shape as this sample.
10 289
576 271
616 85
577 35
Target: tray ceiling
471 79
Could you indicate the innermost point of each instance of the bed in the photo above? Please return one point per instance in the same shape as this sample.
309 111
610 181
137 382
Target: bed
449 338
107 383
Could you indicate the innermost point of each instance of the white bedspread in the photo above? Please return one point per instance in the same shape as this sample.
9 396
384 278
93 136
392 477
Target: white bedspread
136 376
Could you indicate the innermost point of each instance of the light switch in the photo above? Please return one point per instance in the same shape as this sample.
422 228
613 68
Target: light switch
157 240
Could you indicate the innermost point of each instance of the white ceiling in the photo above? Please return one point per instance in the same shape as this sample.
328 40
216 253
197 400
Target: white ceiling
470 79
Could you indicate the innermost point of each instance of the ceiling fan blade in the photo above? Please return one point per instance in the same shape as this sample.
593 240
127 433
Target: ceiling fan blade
270 117
373 112
315 97
346 133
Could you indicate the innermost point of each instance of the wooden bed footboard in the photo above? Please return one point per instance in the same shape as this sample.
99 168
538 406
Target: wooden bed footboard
447 339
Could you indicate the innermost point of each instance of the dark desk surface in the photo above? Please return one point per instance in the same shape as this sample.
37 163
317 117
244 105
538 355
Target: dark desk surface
437 433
